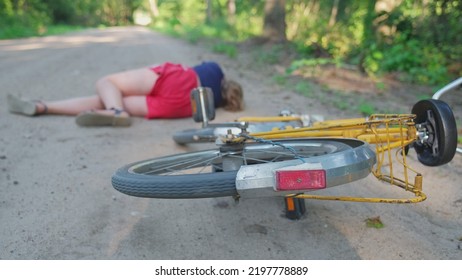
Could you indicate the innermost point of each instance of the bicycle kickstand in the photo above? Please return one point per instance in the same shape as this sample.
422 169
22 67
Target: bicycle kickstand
295 207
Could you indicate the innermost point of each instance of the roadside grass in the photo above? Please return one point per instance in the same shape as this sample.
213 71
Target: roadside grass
341 100
366 108
16 31
374 222
62 29
225 48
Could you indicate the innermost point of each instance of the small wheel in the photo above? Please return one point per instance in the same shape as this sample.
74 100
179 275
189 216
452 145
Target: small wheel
190 136
439 145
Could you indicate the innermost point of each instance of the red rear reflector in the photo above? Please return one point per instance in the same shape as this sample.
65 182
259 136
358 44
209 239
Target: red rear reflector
295 180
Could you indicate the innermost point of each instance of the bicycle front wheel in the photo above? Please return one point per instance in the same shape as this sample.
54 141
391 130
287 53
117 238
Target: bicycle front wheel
212 173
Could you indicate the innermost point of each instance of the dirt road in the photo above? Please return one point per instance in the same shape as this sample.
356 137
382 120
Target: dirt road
57 202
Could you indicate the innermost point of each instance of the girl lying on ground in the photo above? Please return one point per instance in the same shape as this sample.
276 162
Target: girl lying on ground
161 91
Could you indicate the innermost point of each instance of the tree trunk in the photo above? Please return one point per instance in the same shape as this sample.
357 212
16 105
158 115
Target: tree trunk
208 18
333 13
274 25
369 28
154 8
231 8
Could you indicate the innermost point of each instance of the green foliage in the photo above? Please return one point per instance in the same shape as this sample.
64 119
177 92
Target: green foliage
310 62
422 63
225 48
340 101
374 222
418 38
280 79
21 19
373 60
62 11
366 108
271 55
304 88
33 17
380 86
61 29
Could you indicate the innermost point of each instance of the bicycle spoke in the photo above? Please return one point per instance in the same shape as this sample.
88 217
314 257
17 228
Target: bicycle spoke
181 166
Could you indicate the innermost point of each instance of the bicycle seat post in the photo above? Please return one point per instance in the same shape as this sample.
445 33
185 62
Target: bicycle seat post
202 105
205 119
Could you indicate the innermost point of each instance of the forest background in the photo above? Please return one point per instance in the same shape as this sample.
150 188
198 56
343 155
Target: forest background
420 39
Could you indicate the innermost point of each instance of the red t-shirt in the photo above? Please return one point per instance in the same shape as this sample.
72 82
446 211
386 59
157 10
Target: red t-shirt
170 96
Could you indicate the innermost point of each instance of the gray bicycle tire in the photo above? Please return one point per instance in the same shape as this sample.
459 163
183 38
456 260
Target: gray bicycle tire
132 179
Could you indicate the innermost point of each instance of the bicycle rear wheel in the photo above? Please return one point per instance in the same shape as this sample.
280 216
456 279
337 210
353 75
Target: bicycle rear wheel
212 173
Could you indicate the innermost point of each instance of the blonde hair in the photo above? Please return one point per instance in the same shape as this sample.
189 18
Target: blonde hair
233 96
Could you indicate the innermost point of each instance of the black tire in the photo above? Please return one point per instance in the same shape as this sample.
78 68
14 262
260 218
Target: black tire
194 175
136 180
190 136
439 120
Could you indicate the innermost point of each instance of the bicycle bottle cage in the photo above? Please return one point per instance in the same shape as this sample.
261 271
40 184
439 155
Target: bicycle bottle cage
202 105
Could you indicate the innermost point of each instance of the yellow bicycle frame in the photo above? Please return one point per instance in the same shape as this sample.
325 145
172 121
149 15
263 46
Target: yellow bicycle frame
386 132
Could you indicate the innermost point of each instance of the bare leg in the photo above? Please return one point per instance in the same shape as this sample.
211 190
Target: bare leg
136 105
124 91
127 90
122 94
70 107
